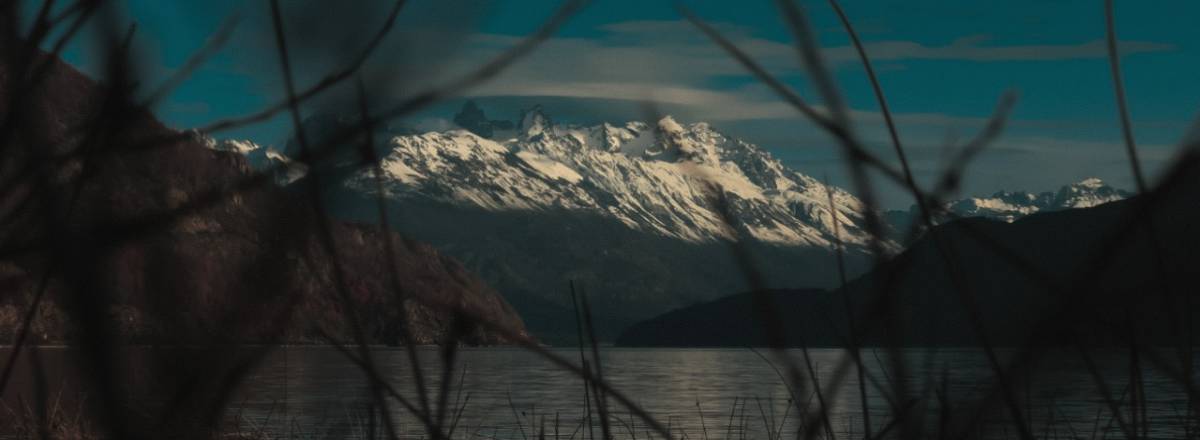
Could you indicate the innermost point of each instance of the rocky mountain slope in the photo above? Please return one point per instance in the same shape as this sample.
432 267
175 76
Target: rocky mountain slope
155 241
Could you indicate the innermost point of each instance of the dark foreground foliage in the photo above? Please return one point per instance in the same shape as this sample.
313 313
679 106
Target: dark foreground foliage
102 208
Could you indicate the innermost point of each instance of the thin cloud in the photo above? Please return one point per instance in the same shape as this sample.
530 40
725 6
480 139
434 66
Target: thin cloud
969 50
670 63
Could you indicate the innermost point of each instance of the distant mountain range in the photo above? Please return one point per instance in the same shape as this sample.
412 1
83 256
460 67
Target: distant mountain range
1008 206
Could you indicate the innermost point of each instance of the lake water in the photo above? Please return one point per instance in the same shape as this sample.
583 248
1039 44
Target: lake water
509 393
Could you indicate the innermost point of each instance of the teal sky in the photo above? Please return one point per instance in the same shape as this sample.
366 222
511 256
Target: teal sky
942 65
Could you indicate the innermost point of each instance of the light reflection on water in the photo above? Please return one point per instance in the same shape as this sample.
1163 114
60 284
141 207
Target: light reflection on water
510 393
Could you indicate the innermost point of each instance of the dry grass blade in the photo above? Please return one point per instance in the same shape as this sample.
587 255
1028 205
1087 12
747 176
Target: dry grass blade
587 386
785 92
26 323
793 99
533 347
893 134
855 351
1114 63
427 97
214 44
598 394
323 84
379 381
1170 300
324 234
810 55
857 158
489 69
389 246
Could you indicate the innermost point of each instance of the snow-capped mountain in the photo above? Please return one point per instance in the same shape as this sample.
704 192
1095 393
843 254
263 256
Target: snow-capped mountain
626 211
656 178
1008 206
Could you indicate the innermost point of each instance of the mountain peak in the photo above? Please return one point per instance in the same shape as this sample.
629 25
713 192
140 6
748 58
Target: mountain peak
533 122
1087 193
472 118
668 124
1090 182
696 142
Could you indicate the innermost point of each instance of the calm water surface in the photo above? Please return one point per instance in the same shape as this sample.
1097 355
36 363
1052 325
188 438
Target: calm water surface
699 393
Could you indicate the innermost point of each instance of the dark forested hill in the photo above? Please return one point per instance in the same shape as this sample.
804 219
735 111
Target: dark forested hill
1100 275
147 234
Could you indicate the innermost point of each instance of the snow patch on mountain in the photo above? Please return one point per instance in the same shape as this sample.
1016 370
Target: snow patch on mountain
236 146
549 168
